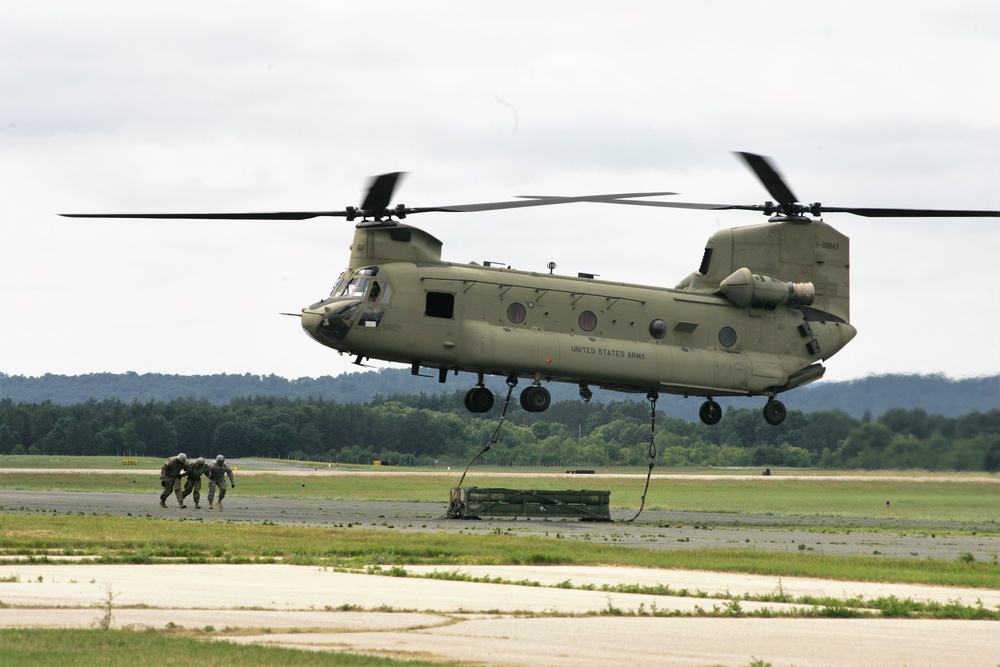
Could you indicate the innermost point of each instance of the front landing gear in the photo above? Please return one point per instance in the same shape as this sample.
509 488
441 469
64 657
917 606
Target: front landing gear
774 412
535 399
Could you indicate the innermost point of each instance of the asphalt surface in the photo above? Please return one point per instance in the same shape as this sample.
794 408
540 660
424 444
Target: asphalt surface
557 622
654 529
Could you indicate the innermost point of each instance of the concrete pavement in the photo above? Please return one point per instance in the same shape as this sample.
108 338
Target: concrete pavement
500 624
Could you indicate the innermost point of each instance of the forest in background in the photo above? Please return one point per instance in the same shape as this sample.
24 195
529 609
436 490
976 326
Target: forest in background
874 395
435 429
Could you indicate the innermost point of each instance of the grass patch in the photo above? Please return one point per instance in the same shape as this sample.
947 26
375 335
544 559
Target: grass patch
108 539
945 498
119 648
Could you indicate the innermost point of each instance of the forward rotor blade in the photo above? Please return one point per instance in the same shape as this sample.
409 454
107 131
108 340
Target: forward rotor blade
620 199
529 201
770 177
380 191
598 198
280 215
376 202
305 215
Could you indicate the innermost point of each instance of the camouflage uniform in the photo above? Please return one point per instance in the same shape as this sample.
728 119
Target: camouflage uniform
170 478
195 470
217 471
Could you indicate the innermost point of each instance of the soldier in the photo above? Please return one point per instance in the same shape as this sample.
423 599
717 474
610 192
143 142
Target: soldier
217 471
170 478
193 484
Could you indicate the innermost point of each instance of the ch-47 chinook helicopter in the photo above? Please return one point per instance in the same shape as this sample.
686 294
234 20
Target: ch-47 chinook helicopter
768 304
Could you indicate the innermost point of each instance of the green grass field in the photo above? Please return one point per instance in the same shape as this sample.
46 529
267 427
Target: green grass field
111 539
952 500
120 648
966 498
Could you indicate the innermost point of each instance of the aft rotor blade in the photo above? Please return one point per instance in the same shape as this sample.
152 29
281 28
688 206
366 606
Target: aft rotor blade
911 212
770 177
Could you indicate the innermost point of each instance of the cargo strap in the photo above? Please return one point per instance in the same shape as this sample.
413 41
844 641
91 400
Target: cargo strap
651 397
454 512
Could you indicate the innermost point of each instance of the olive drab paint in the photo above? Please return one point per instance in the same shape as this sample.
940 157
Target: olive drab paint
713 335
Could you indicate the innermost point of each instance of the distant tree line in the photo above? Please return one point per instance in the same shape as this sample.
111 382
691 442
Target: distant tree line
874 394
428 429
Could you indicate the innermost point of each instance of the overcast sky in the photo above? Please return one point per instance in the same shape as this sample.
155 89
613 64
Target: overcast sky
293 105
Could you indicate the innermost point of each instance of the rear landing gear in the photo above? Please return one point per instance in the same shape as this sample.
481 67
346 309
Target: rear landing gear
774 412
710 412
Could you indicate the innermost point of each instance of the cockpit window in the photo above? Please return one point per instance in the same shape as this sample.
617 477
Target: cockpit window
338 286
380 292
355 287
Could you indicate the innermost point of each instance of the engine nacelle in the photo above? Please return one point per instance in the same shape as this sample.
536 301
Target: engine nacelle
745 288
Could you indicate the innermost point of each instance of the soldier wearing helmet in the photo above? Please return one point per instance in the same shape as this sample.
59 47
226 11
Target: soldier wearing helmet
195 470
170 478
217 472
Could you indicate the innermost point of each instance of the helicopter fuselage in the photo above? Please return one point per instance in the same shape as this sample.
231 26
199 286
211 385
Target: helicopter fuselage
399 302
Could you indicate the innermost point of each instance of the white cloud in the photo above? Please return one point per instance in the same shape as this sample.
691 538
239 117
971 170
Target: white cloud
266 106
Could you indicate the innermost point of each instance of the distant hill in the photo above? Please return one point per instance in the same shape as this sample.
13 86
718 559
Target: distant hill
935 394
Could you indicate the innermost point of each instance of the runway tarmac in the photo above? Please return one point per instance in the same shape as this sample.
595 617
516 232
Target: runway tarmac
554 623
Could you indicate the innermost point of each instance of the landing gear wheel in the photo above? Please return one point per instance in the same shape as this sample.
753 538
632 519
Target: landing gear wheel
774 412
479 400
710 412
535 399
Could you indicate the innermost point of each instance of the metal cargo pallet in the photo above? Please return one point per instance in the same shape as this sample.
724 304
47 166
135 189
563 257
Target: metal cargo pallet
473 503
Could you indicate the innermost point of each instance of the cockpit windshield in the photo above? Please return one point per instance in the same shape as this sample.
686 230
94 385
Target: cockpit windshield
357 285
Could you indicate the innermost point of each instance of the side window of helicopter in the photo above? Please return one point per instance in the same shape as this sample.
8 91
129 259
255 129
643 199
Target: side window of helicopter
440 304
727 336
658 328
516 312
380 292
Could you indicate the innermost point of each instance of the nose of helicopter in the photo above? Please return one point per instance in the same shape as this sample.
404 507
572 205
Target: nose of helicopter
330 322
310 321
